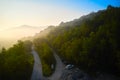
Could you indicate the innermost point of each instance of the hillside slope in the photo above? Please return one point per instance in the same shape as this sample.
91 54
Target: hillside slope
92 44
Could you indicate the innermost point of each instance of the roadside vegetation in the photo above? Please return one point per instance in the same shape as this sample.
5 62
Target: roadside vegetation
46 56
16 63
91 43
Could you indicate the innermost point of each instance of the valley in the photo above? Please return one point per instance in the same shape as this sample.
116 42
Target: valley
86 48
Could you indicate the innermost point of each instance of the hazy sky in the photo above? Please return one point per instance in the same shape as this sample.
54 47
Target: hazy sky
47 12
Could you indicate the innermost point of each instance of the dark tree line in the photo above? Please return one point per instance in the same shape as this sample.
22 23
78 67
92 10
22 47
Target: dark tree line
46 56
92 45
16 63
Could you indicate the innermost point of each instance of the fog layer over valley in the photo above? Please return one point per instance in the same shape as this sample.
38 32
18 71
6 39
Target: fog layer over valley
10 36
86 48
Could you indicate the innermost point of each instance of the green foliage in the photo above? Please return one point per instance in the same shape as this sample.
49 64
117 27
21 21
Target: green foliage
46 56
16 63
93 45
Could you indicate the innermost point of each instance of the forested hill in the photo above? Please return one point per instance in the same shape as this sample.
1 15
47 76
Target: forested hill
91 42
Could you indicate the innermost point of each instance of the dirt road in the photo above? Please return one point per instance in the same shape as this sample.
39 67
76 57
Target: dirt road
37 69
59 67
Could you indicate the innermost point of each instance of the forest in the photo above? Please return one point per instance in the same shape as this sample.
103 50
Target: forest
90 43
16 63
46 55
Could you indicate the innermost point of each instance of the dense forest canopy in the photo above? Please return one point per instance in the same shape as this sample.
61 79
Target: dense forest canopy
90 43
16 63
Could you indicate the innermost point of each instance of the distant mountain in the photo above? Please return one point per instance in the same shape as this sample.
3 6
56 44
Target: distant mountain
10 36
25 27
21 31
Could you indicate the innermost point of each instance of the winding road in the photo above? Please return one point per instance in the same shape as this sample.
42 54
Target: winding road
59 67
37 69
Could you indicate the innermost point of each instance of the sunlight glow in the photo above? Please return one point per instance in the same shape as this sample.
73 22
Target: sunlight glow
14 13
19 13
